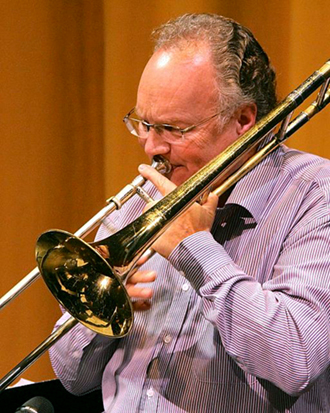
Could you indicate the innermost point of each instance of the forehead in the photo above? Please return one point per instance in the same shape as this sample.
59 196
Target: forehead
174 78
194 59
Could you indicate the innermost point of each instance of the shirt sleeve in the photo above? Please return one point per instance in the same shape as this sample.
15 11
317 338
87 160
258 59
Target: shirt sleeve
79 357
279 330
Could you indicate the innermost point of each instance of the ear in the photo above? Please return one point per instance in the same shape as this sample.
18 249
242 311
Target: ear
245 118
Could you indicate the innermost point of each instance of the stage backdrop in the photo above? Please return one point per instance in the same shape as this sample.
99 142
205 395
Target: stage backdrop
69 71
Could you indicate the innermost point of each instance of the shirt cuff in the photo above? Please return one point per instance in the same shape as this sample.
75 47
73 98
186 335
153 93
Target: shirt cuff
199 256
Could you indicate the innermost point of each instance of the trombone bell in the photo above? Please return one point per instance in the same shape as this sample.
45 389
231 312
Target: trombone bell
84 283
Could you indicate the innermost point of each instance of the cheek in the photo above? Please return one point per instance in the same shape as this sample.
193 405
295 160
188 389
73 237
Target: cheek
199 160
196 156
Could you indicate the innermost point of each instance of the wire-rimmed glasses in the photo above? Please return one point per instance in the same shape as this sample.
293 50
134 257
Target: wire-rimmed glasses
170 133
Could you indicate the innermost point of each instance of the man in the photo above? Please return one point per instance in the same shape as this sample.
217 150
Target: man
233 312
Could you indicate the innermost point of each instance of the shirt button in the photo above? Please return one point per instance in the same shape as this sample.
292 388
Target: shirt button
150 392
185 287
167 339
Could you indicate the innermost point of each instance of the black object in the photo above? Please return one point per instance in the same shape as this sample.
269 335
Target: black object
37 404
62 401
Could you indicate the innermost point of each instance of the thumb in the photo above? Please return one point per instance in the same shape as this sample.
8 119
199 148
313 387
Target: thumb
164 185
211 203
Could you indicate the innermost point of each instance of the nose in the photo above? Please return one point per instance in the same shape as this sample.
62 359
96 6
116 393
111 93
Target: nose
154 144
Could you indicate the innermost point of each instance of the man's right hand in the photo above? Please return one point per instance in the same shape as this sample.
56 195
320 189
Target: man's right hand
140 295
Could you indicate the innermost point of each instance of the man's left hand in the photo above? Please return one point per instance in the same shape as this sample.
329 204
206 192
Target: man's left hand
196 218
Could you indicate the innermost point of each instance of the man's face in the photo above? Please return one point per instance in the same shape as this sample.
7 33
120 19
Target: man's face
179 88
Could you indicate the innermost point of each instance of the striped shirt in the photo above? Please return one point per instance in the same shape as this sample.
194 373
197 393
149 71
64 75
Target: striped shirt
240 318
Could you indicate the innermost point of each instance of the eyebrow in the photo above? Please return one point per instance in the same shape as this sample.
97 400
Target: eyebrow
171 122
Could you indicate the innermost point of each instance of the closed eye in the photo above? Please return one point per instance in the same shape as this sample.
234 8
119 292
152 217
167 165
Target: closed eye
170 128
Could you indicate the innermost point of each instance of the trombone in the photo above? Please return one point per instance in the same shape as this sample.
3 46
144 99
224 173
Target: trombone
88 279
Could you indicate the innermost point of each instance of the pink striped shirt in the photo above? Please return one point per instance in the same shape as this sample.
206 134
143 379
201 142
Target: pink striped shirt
240 318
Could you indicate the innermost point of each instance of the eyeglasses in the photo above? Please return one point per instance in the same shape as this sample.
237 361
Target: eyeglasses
170 133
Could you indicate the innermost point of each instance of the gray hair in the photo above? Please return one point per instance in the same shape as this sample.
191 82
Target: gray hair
244 72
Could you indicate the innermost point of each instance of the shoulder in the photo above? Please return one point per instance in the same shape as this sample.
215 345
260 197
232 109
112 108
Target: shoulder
304 166
307 174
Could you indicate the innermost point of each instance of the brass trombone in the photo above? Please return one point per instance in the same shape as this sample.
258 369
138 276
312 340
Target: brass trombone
90 286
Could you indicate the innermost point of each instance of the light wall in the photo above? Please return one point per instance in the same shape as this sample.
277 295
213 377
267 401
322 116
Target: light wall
69 73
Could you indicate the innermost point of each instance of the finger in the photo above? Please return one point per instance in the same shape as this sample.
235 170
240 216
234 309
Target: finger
141 305
142 277
211 202
139 293
164 185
